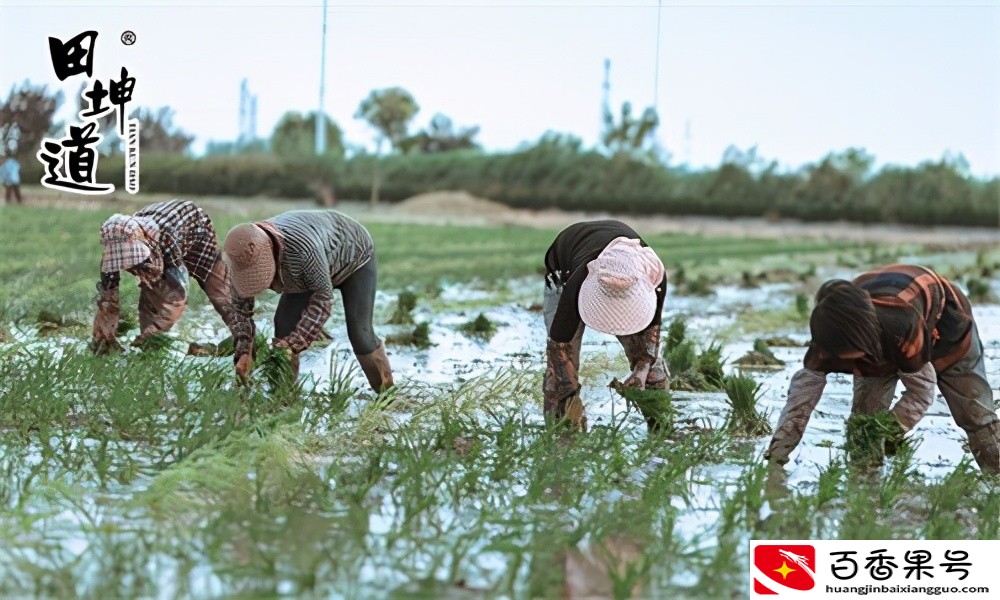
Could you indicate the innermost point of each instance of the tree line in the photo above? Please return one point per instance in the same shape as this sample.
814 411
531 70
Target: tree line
624 173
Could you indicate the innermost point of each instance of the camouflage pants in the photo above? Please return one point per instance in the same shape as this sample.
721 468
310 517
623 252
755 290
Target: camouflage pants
967 392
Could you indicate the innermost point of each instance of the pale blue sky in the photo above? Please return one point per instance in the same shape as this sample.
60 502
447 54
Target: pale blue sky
906 80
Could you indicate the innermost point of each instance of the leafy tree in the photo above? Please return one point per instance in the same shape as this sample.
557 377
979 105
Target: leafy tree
441 136
389 112
26 116
157 132
295 136
630 134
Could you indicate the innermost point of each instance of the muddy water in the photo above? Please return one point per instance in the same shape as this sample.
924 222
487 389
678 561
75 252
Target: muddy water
520 342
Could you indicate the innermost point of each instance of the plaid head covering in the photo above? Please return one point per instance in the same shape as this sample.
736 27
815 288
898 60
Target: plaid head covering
126 240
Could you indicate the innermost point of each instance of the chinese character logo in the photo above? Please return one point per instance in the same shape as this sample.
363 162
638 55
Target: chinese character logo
779 568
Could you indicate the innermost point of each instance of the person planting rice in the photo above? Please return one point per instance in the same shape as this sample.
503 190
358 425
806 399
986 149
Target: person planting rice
162 245
304 255
895 323
602 275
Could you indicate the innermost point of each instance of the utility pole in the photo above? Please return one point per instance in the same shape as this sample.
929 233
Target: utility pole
656 62
606 101
321 113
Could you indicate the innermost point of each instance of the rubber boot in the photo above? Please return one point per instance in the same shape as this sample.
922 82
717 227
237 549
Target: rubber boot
376 368
561 386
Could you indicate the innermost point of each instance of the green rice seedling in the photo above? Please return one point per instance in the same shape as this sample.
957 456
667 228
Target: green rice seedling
866 437
277 368
156 342
418 337
481 327
744 420
405 303
980 291
127 321
655 405
760 357
50 321
676 332
710 363
699 286
830 483
901 475
802 305
779 341
948 499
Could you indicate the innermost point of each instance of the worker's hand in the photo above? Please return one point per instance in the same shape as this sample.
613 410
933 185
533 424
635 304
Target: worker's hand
243 364
282 344
146 333
637 379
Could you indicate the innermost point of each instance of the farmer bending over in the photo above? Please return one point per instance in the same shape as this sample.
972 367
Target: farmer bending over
304 255
601 274
161 244
896 323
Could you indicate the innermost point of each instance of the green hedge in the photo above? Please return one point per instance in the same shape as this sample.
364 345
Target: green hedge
555 174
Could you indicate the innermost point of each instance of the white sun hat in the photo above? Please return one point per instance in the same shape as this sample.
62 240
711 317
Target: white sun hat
618 296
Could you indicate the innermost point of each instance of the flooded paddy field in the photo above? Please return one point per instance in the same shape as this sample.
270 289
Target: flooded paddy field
152 474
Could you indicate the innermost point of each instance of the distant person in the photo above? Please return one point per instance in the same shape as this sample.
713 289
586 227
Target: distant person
304 255
601 274
895 323
10 176
161 245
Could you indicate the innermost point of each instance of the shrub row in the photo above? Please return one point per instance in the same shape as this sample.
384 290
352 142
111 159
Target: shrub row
554 174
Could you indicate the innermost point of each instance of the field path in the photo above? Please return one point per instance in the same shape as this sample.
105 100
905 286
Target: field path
461 209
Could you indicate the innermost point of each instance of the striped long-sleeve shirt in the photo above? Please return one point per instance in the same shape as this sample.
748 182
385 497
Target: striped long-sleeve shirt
926 328
318 250
924 319
186 238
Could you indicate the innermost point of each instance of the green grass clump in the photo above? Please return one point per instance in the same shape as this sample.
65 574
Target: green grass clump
656 406
699 286
689 370
869 438
50 320
156 342
127 321
481 327
676 332
760 356
980 291
275 365
403 312
744 420
418 337
802 305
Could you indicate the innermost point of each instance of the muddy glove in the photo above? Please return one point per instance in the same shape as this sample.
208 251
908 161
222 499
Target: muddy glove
648 368
161 304
803 395
561 388
104 338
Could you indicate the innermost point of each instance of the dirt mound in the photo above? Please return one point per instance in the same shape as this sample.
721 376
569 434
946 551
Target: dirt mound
452 203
